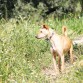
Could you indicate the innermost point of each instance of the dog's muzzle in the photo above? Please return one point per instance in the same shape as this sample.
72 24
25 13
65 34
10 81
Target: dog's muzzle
37 37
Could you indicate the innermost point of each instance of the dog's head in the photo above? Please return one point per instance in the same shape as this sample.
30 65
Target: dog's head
43 32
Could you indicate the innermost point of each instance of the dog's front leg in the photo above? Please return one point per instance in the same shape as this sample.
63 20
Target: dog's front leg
54 60
63 61
59 63
61 55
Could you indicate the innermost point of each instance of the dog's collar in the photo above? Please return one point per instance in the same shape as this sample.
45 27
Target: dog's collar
50 36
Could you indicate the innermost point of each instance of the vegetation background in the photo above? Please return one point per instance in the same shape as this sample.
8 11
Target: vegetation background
24 59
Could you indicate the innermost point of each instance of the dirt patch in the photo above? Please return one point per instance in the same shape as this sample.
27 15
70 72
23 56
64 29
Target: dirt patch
50 72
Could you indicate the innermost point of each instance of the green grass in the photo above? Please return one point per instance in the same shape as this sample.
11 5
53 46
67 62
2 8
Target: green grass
22 56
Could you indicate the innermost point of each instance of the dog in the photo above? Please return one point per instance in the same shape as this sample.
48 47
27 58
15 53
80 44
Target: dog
60 44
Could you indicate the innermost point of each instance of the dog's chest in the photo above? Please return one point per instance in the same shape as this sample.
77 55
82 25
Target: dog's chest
56 45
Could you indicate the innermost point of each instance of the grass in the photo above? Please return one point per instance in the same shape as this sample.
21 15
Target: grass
22 56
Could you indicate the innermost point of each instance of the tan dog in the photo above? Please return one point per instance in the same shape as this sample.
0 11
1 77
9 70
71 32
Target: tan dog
60 44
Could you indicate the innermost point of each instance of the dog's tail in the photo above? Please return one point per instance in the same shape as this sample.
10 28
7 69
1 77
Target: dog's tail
64 30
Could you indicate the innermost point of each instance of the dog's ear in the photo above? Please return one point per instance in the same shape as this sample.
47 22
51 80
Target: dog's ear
45 26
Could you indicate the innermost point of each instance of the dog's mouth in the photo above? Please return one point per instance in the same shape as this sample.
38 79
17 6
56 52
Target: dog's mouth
39 37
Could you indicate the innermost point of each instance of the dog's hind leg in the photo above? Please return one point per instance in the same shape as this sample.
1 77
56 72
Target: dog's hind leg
71 54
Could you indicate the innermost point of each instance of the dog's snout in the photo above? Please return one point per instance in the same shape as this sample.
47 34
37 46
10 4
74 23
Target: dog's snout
36 36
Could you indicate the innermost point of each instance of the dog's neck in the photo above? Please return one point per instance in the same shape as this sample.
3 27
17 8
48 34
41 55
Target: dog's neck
50 35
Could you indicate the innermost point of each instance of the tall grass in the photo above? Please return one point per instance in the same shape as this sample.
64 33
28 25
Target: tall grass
22 56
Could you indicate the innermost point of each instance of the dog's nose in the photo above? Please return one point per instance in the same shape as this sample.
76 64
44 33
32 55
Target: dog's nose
35 36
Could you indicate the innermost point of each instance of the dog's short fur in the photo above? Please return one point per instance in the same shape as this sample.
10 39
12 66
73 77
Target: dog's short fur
60 44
